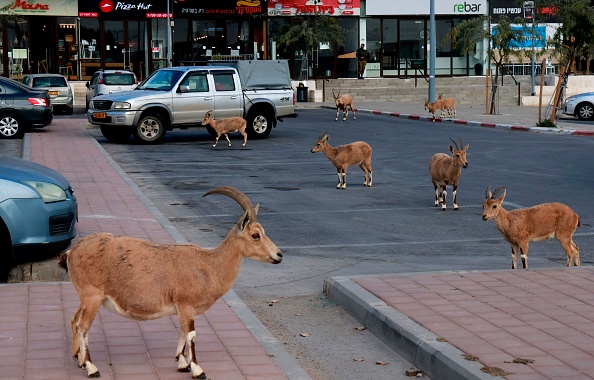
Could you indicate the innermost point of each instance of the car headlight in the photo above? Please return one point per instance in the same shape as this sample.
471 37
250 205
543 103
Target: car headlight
91 104
48 191
121 106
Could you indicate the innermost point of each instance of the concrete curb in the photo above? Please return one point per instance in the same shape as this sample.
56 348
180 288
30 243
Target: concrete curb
511 127
438 360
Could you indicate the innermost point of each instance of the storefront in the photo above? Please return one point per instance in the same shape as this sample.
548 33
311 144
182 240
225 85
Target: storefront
327 60
35 36
218 30
397 37
124 34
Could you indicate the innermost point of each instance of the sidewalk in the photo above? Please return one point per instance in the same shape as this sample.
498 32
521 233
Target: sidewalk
35 332
518 118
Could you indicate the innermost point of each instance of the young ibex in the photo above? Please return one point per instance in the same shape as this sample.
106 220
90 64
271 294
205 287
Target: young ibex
342 102
225 126
536 223
449 104
433 107
142 280
446 170
355 153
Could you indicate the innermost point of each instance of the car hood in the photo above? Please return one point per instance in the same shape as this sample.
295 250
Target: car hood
126 96
17 169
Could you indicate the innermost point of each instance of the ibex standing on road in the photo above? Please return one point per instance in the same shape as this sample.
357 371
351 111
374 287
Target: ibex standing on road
342 102
446 170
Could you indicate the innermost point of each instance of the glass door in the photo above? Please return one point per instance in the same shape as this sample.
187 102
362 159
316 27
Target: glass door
136 57
115 51
412 46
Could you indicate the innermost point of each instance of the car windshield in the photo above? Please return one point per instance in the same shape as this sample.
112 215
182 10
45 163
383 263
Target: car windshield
162 80
118 79
49 82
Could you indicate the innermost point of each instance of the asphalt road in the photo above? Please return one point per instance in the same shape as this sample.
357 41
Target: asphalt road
392 227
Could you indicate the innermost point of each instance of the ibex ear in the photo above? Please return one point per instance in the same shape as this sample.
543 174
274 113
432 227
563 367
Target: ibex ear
244 221
466 147
451 149
257 208
326 137
502 195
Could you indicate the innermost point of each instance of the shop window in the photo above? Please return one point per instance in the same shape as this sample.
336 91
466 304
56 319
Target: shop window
89 52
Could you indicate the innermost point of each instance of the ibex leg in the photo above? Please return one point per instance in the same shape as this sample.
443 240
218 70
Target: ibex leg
454 194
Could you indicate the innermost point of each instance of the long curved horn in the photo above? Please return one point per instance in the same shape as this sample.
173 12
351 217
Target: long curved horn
334 95
322 135
237 196
461 143
455 143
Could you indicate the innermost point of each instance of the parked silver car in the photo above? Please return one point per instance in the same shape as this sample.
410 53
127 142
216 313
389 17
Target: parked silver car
56 85
105 82
581 105
38 212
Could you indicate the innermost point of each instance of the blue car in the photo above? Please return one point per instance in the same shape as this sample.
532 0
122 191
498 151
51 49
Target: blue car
38 213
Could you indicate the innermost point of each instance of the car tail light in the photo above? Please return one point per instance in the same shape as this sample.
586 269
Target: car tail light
38 101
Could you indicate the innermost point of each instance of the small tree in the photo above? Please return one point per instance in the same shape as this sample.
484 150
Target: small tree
503 42
574 38
311 31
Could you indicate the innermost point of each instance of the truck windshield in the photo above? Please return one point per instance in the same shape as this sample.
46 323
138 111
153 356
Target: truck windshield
162 80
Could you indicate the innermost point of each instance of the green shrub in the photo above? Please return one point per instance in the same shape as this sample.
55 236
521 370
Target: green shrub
547 123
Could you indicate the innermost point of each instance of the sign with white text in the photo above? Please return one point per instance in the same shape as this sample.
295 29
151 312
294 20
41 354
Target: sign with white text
421 7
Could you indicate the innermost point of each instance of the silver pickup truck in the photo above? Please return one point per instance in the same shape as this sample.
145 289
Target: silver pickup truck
179 97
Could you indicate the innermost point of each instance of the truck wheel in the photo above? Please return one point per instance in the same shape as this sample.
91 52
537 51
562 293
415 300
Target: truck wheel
585 111
116 134
150 129
259 124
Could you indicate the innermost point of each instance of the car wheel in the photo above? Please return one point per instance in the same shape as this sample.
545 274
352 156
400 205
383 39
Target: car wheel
11 127
5 252
585 111
150 129
86 106
259 123
116 134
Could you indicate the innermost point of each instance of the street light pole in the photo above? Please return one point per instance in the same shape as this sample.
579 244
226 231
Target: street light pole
432 50
529 13
169 41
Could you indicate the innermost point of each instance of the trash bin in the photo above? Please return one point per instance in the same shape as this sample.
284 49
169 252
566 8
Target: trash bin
478 69
302 94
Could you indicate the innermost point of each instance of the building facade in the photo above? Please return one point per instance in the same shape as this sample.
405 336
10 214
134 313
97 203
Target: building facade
76 37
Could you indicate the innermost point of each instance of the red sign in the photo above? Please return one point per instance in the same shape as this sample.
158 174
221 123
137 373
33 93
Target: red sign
307 7
106 6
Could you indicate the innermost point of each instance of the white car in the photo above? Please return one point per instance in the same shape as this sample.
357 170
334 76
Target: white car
109 81
581 105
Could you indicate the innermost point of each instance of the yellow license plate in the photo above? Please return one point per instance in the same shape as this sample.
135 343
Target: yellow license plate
99 115
53 93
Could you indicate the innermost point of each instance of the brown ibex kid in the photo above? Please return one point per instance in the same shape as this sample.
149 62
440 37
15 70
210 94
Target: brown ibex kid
355 153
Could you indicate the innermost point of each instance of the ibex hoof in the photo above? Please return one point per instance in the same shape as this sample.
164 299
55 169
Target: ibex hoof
184 369
201 376
94 375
